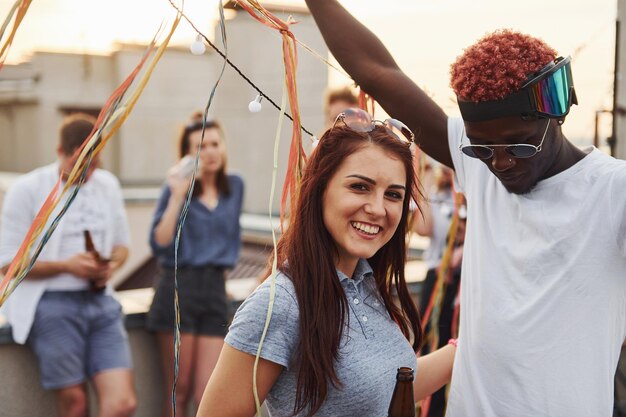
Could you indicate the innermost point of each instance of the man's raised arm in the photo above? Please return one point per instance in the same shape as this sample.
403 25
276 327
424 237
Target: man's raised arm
369 63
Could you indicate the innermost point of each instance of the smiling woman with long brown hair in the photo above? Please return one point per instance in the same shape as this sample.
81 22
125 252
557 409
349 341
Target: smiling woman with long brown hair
336 335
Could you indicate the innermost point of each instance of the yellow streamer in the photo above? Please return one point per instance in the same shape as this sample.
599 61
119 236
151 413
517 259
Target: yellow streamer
21 7
270 306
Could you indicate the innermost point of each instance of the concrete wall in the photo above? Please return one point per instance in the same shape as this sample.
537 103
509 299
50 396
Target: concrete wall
146 143
18 122
24 397
250 137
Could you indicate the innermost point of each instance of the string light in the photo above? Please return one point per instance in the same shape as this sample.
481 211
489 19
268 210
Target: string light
233 66
197 47
255 105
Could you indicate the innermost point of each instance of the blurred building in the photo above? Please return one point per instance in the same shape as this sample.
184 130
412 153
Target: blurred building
35 96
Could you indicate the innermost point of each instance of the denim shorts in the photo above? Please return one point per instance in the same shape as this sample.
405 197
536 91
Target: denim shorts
201 298
77 334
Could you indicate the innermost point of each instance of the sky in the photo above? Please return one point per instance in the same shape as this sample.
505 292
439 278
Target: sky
425 37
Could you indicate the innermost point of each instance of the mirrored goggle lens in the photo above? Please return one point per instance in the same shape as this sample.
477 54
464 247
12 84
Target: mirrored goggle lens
477 151
399 130
357 120
551 94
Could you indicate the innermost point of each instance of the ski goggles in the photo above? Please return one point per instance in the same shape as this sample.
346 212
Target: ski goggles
548 93
360 121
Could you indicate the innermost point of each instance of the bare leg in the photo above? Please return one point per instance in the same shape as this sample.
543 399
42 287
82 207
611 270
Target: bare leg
72 401
185 370
116 393
208 350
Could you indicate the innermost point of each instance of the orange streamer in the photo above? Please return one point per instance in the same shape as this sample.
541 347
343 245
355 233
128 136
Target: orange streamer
297 157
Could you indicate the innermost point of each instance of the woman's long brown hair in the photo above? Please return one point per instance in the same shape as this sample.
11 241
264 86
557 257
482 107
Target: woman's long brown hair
221 179
306 253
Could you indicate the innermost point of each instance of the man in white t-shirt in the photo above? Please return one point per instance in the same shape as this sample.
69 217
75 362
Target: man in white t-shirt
544 270
64 308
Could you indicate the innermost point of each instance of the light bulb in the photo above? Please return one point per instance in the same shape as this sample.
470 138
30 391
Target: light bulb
197 47
255 105
314 141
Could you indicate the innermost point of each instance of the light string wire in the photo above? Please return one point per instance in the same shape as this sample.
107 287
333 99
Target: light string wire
113 114
185 210
288 84
19 9
241 74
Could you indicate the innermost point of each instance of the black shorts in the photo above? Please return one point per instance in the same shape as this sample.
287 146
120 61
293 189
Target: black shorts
201 297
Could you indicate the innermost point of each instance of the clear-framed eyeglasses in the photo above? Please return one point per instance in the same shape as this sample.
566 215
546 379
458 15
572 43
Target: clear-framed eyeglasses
360 121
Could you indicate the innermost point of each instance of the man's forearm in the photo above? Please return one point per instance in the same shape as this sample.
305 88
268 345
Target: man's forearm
368 62
356 48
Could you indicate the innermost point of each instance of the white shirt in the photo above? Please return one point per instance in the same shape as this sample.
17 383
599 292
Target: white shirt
543 300
21 204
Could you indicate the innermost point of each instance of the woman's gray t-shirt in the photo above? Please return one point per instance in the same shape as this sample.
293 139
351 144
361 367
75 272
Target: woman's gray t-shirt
372 347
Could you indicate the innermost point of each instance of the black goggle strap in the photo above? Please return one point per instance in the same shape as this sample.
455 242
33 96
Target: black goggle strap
513 105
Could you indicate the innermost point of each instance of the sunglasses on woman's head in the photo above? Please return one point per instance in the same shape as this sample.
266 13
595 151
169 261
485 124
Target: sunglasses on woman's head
518 150
360 121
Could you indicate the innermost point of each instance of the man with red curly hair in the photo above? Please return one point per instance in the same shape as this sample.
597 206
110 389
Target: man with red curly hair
544 271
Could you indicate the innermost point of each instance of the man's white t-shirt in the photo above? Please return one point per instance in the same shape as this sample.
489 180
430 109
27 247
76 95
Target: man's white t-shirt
543 294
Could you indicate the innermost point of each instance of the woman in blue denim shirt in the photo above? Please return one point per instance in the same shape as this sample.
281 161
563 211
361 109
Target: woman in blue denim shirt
209 244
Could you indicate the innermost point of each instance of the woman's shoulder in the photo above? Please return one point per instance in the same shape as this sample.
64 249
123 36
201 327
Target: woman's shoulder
283 286
236 185
251 321
276 291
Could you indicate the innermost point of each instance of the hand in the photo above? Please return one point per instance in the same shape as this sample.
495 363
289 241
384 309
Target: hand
86 266
178 185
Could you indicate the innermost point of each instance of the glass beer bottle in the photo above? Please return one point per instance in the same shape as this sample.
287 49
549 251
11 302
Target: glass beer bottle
402 402
91 248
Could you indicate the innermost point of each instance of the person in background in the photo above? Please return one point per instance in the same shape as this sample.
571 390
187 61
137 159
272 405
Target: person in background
543 294
210 242
336 101
64 308
434 222
336 336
